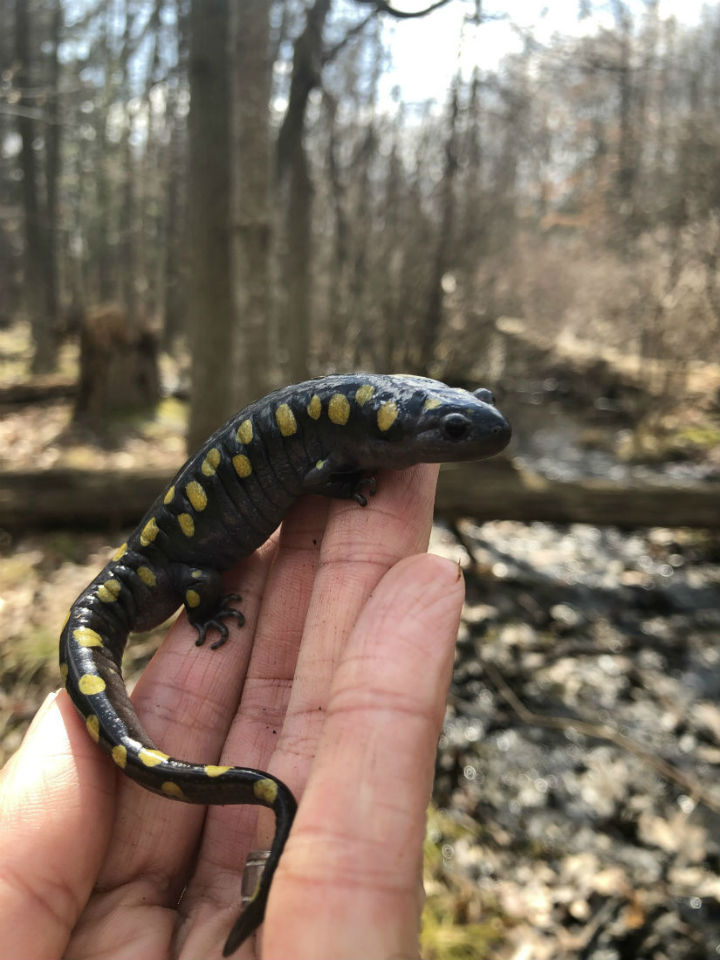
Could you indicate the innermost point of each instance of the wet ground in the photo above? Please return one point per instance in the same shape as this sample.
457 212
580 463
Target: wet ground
581 750
552 440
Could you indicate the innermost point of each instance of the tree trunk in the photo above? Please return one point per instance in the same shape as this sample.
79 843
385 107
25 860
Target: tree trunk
174 301
53 129
36 281
211 320
127 258
434 314
359 294
250 185
294 173
298 265
104 286
390 281
336 318
118 367
627 171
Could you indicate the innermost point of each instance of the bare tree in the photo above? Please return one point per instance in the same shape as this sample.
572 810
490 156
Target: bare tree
294 180
40 296
433 318
53 129
175 220
211 322
128 272
250 183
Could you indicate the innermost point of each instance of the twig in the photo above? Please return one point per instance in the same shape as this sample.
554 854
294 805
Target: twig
600 731
383 6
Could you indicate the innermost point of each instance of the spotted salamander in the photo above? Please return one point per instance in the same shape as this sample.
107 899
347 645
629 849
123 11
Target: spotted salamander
325 436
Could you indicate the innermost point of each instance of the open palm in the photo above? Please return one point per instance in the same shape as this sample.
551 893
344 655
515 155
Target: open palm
336 685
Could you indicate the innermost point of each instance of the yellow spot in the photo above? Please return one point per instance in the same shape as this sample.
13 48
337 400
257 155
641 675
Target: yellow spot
196 495
90 683
243 467
214 771
63 672
172 790
339 409
432 403
169 495
120 552
109 591
192 598
149 532
286 420
87 637
187 524
314 408
387 415
320 464
119 755
265 790
211 461
245 432
151 758
93 726
196 574
147 576
364 393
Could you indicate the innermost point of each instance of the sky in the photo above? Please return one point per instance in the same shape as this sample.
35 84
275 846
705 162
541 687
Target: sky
425 51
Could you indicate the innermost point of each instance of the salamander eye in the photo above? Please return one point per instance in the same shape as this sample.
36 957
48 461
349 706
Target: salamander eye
455 426
482 393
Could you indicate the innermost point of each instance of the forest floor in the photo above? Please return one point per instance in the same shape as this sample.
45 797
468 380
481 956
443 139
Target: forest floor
577 808
579 766
577 797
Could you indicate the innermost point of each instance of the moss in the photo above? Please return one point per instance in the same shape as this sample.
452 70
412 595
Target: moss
702 438
64 546
17 570
40 644
597 438
657 445
443 939
459 921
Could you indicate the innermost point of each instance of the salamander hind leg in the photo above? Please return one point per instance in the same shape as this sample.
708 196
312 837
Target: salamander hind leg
205 604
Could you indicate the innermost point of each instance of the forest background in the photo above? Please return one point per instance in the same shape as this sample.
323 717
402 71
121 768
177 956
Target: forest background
203 200
236 176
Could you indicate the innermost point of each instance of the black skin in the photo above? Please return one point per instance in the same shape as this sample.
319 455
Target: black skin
327 436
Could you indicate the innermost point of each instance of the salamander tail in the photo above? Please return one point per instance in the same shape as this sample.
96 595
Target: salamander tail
252 916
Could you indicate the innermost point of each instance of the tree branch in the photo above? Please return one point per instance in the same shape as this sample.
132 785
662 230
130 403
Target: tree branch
383 6
330 54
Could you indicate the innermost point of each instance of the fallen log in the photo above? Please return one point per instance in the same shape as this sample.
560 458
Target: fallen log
496 490
40 390
486 492
65 497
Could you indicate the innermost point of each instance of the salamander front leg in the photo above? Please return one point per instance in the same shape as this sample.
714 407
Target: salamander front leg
340 482
205 605
215 622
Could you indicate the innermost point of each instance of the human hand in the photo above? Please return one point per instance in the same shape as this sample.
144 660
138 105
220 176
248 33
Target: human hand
336 685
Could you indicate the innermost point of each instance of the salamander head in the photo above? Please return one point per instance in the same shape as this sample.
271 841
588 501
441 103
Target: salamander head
424 421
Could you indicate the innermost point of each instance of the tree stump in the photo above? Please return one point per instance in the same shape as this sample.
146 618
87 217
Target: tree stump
118 365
